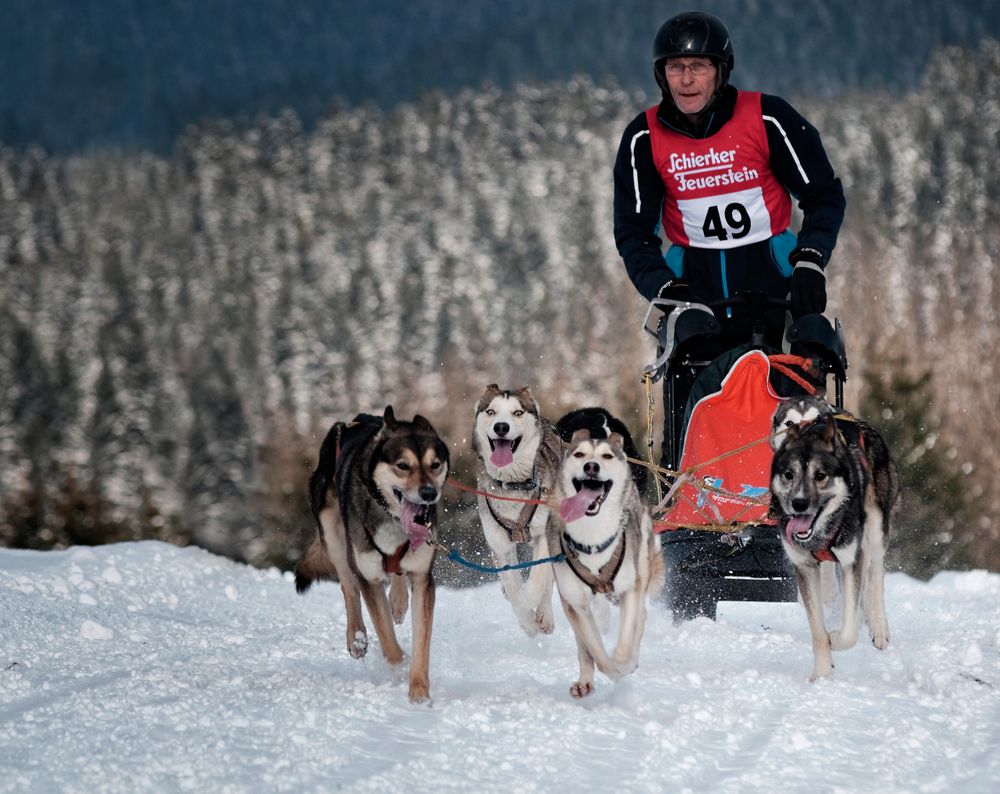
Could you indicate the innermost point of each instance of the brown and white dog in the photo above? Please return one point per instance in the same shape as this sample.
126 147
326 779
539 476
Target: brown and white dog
519 454
605 533
374 495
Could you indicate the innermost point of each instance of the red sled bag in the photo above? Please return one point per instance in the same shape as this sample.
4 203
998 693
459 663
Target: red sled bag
727 449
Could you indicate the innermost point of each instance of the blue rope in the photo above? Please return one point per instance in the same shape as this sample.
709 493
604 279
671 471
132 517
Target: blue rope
456 557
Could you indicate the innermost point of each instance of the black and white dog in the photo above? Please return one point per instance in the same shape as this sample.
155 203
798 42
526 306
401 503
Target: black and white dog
834 490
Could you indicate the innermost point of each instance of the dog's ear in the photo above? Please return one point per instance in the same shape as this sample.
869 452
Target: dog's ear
616 440
583 434
423 424
389 418
827 428
524 395
491 391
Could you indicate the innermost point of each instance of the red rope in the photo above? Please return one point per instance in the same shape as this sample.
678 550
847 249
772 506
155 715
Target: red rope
784 363
488 495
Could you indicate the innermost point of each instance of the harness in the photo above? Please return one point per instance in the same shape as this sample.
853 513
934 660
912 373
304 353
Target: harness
518 531
603 581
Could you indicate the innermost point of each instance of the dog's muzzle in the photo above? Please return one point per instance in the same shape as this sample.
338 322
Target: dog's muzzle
596 490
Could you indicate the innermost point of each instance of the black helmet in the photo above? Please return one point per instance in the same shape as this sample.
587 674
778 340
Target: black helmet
693 33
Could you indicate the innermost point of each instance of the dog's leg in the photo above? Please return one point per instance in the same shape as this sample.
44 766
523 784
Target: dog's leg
512 585
378 609
810 590
336 548
852 563
602 614
423 621
584 685
630 623
830 583
873 545
587 636
538 591
398 598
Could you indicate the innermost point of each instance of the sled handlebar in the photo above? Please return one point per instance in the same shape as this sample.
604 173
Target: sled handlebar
758 303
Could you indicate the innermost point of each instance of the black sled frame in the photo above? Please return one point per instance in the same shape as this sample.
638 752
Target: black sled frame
748 564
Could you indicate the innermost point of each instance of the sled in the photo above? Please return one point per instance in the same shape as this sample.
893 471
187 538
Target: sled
717 539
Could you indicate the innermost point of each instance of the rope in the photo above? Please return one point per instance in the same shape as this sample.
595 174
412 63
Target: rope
784 363
647 379
454 556
488 495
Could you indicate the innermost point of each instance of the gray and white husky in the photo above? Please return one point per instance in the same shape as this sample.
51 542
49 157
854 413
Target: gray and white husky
834 490
605 533
519 454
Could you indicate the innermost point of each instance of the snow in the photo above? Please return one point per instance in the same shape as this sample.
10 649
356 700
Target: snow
145 667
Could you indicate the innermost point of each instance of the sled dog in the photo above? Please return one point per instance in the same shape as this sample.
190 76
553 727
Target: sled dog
519 454
834 491
605 534
374 494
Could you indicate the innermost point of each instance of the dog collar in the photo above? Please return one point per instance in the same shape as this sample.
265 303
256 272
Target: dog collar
583 548
519 485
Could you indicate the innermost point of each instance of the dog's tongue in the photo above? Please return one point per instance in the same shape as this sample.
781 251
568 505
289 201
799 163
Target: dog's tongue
415 531
573 507
503 453
796 525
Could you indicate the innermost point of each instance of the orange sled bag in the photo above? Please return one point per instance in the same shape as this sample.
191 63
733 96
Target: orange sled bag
726 448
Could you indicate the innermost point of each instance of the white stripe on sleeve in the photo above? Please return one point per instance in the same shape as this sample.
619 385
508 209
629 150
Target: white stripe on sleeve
788 143
635 173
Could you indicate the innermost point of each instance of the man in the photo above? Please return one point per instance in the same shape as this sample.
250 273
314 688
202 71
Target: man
716 168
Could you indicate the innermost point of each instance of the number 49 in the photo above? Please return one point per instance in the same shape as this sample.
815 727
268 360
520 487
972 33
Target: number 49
737 222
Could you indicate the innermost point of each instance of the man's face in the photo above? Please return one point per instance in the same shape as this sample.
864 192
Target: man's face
692 82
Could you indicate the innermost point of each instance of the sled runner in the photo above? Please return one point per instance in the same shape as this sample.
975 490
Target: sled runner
717 539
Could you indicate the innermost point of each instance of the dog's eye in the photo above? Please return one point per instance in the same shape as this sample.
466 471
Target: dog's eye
788 474
608 456
820 476
518 413
579 454
402 465
490 412
436 465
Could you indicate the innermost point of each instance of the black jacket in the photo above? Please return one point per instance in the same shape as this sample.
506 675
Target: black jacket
712 274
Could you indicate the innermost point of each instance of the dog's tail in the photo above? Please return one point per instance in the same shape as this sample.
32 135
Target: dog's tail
314 566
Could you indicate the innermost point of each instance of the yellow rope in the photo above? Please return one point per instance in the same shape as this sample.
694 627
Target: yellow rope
647 379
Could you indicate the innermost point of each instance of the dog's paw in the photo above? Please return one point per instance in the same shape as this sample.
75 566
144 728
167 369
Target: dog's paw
625 667
420 693
821 671
879 632
358 646
843 640
580 689
544 621
528 622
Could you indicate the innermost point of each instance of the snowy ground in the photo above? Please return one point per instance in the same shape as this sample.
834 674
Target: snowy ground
143 667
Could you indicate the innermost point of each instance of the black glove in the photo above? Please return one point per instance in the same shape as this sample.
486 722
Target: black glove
808 282
676 291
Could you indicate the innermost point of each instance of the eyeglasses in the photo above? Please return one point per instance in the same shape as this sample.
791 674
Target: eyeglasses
697 69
